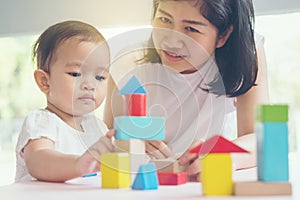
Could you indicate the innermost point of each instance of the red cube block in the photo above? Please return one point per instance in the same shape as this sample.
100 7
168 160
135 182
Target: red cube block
136 104
170 178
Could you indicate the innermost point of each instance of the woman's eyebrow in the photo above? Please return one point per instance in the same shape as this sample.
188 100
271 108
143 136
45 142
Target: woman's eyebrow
194 22
185 20
165 12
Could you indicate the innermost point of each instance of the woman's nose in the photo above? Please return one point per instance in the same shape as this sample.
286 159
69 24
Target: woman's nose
174 39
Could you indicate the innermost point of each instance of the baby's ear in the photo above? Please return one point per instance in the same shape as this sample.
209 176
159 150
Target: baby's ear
42 80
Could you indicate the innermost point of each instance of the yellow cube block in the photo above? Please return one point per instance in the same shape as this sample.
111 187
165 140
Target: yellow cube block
115 170
216 175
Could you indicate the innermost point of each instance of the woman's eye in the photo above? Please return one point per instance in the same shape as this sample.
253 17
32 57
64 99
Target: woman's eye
75 74
191 29
165 20
100 78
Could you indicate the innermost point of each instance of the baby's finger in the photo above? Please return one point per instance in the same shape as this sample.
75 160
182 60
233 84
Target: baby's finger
110 134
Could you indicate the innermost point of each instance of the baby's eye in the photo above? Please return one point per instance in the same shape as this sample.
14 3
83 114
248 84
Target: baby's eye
100 78
75 74
191 29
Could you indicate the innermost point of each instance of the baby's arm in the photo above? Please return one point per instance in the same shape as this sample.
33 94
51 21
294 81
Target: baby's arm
44 163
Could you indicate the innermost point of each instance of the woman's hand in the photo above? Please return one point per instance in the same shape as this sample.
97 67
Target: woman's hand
89 162
157 149
192 160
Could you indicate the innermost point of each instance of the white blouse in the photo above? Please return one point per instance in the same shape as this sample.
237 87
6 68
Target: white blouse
43 123
190 112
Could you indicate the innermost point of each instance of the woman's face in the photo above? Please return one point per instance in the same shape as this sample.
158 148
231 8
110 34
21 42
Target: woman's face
183 38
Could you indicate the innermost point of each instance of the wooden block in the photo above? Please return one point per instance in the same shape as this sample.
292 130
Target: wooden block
272 152
272 113
260 188
115 170
137 151
216 175
169 178
132 86
167 165
144 128
146 179
135 146
136 104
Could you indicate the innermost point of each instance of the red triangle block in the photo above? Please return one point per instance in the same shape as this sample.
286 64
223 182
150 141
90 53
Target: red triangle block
217 144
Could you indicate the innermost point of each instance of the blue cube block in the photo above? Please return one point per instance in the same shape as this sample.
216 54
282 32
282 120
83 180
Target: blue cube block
147 178
272 151
144 128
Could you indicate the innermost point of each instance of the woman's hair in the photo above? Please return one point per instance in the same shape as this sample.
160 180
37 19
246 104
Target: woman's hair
45 46
237 59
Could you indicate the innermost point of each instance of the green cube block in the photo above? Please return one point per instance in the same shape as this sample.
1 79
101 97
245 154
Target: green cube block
272 113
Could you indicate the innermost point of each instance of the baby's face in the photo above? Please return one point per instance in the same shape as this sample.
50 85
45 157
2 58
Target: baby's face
78 76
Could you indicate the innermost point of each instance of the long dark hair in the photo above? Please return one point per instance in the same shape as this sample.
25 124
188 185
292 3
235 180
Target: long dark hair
237 59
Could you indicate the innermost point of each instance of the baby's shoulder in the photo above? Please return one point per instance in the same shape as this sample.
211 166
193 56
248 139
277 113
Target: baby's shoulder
39 116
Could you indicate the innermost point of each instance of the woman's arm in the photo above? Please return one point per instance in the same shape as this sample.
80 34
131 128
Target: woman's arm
246 104
259 94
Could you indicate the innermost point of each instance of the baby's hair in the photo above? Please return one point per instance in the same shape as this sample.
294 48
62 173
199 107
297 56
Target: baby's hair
237 59
45 46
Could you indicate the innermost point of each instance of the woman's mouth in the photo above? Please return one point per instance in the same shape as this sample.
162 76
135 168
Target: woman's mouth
172 56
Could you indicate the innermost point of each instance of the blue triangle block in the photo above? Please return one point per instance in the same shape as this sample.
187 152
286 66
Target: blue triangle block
147 178
133 86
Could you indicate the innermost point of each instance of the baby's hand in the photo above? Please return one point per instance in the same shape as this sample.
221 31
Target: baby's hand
89 162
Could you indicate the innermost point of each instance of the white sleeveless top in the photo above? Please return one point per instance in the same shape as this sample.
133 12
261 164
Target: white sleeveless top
42 123
190 112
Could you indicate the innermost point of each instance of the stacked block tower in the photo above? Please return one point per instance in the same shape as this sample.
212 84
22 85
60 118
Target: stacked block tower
272 153
216 163
132 130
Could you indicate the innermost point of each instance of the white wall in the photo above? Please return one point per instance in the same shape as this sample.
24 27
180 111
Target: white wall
264 7
33 16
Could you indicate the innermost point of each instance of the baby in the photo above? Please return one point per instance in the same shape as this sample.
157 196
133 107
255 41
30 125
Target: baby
65 140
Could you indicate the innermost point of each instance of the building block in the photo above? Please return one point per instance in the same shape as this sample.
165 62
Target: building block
136 104
272 113
216 175
258 188
146 179
272 151
170 178
133 86
137 151
134 146
217 144
169 165
115 169
144 128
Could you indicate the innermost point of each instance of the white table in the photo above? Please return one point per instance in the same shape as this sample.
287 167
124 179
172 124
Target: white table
90 188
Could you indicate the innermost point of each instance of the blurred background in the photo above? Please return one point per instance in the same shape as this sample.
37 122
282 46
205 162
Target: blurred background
22 21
